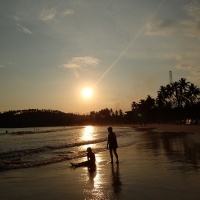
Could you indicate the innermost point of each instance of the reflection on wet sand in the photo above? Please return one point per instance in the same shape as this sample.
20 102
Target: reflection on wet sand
179 147
92 172
116 182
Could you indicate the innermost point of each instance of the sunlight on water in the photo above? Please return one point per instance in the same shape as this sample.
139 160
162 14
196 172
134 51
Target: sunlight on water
88 133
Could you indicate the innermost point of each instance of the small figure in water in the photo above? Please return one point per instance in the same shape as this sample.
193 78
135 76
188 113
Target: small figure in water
112 144
90 160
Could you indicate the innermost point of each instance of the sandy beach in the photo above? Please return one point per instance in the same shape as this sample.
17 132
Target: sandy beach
164 164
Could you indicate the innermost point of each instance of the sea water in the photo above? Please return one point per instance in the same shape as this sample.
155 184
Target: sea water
30 147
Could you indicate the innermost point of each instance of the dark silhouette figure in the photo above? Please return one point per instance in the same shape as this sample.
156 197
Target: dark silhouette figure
112 144
90 160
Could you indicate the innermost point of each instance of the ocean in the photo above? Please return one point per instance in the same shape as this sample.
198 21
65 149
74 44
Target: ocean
31 147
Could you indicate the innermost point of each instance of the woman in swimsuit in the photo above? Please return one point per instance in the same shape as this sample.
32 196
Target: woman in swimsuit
112 144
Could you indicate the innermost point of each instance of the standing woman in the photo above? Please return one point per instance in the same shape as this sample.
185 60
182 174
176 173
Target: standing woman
112 144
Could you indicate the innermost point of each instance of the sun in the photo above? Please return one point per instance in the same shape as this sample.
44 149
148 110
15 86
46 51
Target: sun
87 93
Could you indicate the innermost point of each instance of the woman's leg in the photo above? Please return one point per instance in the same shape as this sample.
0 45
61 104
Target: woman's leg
85 163
116 155
111 155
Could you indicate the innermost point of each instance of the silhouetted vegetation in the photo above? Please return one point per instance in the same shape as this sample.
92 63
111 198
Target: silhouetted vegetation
174 102
36 118
42 118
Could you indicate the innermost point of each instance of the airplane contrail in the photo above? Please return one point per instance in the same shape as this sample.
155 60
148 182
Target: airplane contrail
130 44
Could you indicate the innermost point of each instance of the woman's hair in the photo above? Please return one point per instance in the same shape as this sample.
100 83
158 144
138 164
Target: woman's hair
110 129
89 149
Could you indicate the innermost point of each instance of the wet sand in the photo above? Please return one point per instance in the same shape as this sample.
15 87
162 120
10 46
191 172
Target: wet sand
164 164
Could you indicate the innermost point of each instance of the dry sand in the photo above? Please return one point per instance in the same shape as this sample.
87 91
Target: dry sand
160 166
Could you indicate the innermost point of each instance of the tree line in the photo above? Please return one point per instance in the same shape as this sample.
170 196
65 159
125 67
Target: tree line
46 117
176 101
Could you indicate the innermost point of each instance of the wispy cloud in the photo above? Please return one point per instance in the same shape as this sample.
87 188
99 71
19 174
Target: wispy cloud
161 27
23 29
82 63
193 10
1 66
187 61
67 12
194 76
192 25
49 14
16 18
186 65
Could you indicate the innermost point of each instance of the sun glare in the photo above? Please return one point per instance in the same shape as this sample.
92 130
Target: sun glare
87 93
88 133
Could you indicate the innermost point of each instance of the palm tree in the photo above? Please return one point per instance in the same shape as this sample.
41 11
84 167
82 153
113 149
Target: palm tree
134 105
193 93
120 113
111 112
150 102
160 100
164 96
183 89
183 85
176 95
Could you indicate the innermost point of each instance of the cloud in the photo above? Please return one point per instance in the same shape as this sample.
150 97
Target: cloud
194 76
47 15
192 25
67 12
23 29
16 18
82 63
186 65
1 66
190 63
187 61
193 10
161 27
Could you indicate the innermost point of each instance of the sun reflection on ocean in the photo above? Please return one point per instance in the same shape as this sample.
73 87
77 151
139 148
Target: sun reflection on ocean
88 133
87 136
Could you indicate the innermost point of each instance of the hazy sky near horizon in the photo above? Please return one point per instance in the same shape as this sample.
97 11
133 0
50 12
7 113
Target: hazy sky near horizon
51 49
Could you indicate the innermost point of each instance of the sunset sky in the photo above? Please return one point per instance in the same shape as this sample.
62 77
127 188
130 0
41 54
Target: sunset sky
52 49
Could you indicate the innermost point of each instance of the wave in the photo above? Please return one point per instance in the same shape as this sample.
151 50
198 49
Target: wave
38 130
51 147
18 163
19 159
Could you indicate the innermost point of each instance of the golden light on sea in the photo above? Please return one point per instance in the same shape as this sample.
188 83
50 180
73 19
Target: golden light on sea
88 133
